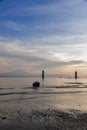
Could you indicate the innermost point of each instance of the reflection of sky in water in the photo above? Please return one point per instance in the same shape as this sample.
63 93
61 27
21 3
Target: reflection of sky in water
18 93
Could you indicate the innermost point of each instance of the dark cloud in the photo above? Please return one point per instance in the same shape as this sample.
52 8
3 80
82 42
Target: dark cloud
22 56
59 64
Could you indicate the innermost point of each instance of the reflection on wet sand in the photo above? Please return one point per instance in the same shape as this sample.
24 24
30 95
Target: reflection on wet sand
20 103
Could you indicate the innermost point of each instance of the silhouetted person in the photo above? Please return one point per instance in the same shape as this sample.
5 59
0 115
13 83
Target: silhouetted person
76 75
42 74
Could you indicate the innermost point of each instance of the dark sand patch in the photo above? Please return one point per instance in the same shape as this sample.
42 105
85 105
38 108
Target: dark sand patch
74 83
49 119
1 88
42 93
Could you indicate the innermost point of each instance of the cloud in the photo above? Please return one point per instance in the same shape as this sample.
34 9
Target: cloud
60 18
17 55
50 34
17 51
14 55
59 39
64 52
28 9
31 10
14 26
78 27
54 64
42 53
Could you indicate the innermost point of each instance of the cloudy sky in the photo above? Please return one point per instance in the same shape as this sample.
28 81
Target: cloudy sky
43 34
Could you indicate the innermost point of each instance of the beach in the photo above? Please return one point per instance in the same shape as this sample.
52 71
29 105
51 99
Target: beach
43 65
57 105
48 119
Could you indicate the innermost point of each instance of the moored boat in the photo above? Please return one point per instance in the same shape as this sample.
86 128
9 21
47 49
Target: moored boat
36 84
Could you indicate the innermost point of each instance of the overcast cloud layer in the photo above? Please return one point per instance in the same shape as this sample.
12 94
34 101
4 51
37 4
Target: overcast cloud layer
49 34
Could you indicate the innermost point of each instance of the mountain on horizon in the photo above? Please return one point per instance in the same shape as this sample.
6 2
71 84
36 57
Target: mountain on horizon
22 73
15 73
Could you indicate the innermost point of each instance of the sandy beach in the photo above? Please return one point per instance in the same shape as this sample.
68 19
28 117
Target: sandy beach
46 119
50 107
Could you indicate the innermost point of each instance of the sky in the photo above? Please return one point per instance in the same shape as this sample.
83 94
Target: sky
43 34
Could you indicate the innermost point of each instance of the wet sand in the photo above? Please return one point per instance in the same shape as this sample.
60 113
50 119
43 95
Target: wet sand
62 106
45 119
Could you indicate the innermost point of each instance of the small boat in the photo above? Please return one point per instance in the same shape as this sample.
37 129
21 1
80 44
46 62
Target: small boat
36 84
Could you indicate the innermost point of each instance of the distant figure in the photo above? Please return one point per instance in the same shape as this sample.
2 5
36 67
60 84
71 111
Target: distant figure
42 74
75 74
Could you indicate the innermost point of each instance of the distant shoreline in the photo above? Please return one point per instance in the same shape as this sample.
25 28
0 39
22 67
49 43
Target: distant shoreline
40 76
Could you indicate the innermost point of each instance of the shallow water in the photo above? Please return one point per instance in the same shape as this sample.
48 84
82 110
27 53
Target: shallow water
61 93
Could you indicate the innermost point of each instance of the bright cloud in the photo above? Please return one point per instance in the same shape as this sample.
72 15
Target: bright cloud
41 57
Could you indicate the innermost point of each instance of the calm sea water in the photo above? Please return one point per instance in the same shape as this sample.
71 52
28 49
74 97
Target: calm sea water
59 93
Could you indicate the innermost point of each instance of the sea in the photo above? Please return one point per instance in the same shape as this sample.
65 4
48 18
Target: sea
60 93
